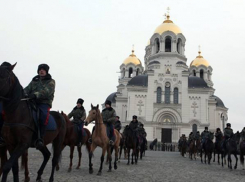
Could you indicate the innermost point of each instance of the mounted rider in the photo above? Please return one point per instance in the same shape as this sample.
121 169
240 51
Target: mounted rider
242 135
141 130
205 135
2 142
197 135
190 138
109 117
118 124
218 135
228 133
79 115
41 89
133 125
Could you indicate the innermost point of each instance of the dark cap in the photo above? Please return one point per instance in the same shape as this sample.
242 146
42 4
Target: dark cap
43 66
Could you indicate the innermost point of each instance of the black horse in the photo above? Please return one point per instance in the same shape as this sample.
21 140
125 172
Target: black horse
208 148
143 145
218 148
131 142
231 148
242 152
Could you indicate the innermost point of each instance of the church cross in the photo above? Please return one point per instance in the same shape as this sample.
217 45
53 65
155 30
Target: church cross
194 106
140 103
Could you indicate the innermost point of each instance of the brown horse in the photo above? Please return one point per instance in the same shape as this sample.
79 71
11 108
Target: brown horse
71 140
192 149
100 138
19 129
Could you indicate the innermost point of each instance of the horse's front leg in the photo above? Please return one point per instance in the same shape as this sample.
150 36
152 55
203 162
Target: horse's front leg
90 158
116 157
235 167
109 149
80 157
102 160
71 157
25 164
214 156
128 150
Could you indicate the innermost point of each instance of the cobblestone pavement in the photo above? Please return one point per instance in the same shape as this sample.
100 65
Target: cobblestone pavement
155 166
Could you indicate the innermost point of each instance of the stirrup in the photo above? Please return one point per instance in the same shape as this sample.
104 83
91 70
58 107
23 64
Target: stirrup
90 140
111 142
39 143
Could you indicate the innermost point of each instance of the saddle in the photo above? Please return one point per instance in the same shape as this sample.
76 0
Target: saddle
79 129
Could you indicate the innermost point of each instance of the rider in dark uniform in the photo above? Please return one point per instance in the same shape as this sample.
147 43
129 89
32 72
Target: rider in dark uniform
109 117
41 90
218 136
190 138
118 124
134 127
197 136
228 133
79 115
205 135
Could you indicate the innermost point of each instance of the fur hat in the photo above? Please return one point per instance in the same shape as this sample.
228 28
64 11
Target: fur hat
43 66
134 117
117 117
7 64
218 129
108 102
206 128
228 124
80 101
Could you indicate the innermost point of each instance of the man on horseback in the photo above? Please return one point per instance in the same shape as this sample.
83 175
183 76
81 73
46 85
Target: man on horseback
109 117
79 115
190 138
218 135
243 135
118 124
197 136
41 90
228 133
133 125
205 135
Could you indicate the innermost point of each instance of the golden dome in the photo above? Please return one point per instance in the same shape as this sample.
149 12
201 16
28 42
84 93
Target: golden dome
132 59
200 61
168 25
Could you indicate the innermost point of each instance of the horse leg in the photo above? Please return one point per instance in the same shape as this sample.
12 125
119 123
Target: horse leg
120 153
80 156
128 150
3 155
242 160
235 167
58 167
214 156
101 161
201 156
90 158
71 157
116 157
218 159
46 156
25 164
205 157
229 161
15 170
109 153
133 154
15 154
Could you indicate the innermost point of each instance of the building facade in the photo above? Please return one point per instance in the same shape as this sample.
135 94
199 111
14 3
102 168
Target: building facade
169 97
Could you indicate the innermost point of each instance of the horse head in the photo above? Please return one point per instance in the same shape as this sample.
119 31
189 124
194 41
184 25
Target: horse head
92 115
6 80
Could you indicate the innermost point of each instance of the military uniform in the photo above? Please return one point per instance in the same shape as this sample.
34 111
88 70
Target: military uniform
218 136
197 136
228 133
243 134
109 117
41 89
118 125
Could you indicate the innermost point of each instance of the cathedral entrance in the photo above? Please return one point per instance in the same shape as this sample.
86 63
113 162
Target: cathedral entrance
166 135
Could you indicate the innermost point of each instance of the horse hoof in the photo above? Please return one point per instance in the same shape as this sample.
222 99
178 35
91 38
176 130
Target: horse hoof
39 180
69 170
77 167
99 173
109 170
27 179
127 163
235 167
115 167
91 171
57 168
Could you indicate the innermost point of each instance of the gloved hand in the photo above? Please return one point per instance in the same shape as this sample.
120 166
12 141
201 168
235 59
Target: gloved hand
32 97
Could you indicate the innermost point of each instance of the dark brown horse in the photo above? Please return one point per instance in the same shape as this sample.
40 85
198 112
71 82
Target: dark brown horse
71 140
19 131
192 149
242 152
99 138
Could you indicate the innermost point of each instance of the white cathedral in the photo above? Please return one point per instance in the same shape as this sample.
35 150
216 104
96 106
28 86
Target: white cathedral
168 97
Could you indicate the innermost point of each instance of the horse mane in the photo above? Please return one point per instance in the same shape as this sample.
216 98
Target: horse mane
66 117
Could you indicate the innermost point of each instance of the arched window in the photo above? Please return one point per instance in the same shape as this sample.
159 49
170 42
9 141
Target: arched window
157 45
179 48
168 43
167 93
194 128
123 73
159 94
209 75
194 72
137 71
130 72
201 74
176 95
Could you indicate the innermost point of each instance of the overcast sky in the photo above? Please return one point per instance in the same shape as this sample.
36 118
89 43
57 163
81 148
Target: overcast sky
85 42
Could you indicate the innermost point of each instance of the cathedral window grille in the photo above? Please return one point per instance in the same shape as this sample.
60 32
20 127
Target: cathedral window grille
157 45
167 93
159 95
201 74
179 48
168 45
194 72
130 73
194 128
176 95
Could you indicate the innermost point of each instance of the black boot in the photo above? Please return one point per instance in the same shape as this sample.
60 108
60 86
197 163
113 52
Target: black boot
40 142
